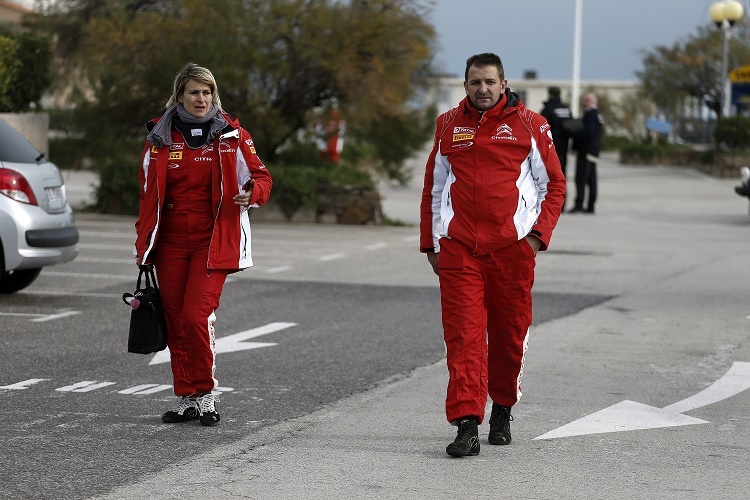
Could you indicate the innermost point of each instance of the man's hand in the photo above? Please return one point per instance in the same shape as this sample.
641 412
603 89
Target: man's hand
243 199
534 242
432 258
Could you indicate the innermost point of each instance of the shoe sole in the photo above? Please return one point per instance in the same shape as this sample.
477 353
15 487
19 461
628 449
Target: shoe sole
460 453
499 441
178 419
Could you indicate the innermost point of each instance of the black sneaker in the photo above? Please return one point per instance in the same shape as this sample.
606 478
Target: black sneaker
187 409
500 419
207 409
467 440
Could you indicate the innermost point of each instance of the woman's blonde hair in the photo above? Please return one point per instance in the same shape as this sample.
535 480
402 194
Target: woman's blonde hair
192 71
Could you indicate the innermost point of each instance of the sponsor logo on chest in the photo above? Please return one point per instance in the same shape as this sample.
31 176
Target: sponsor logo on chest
504 132
463 137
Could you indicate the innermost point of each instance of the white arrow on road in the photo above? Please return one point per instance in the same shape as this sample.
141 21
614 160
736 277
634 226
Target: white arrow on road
630 416
235 342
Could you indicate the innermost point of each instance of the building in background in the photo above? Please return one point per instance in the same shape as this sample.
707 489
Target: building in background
11 12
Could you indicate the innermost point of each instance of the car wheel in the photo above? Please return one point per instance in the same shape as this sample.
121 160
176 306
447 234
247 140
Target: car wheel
17 280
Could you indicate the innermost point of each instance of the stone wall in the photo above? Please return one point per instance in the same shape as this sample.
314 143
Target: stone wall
349 205
336 205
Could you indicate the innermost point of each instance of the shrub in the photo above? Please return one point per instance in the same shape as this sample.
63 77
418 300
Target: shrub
733 132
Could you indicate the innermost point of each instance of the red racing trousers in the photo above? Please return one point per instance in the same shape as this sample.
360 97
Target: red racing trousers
486 304
190 295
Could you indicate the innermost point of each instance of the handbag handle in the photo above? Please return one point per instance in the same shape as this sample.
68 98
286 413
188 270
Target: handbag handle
150 277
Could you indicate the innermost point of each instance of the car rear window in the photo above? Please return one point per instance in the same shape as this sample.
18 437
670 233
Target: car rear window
14 147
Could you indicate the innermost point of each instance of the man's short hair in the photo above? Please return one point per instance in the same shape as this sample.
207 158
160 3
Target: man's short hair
554 91
485 59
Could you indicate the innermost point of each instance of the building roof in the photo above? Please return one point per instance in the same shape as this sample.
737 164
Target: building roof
14 6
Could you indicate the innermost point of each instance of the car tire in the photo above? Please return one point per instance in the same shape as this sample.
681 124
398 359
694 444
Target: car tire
17 280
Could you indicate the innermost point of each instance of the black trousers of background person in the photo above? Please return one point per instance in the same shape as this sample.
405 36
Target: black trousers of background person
585 177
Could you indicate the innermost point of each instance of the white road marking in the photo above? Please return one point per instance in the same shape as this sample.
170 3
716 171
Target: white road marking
279 269
333 256
92 276
23 385
105 261
145 389
376 246
629 415
50 317
84 386
39 317
234 342
69 293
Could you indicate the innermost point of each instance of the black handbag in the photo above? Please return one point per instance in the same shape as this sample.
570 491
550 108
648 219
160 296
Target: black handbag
148 329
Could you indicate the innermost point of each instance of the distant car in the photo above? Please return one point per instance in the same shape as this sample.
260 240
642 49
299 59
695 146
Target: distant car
37 225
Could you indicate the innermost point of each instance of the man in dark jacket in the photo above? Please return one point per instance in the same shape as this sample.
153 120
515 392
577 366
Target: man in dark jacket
588 144
557 112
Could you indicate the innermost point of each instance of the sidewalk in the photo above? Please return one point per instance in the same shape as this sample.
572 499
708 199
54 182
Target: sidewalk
667 243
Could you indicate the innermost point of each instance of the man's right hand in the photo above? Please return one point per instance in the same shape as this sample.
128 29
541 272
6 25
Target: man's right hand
433 260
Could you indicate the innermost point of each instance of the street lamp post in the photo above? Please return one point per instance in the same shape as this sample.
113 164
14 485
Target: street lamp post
725 14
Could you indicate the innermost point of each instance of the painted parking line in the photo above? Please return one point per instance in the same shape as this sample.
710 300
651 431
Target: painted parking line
88 275
84 386
69 293
40 318
145 389
18 386
376 246
92 385
333 256
279 269
51 317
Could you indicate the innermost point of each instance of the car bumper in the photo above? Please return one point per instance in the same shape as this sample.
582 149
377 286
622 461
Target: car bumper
33 238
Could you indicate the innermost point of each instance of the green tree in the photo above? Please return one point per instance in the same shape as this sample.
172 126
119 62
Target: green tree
692 67
24 69
276 61
9 64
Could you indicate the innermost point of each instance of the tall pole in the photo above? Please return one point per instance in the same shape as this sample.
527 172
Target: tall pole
576 83
725 104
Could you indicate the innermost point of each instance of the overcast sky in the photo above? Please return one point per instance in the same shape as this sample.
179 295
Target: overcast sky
538 34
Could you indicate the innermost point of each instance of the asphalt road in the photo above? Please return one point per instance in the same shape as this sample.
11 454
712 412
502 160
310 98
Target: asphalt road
635 384
83 416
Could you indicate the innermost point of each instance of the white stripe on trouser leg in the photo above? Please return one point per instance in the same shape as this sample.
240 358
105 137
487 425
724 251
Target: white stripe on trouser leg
523 360
212 343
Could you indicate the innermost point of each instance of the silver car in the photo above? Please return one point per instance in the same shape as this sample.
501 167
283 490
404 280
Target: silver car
37 225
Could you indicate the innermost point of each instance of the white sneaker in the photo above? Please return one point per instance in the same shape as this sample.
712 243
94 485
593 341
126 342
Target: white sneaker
207 409
186 409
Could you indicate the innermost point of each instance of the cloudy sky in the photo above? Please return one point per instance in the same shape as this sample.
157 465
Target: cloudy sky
538 34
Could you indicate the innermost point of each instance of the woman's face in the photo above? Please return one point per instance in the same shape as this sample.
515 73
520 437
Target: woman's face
196 98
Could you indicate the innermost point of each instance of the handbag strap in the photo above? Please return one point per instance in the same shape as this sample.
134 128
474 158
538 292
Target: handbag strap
150 277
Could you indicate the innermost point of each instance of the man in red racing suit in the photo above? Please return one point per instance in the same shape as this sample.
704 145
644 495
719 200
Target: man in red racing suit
493 192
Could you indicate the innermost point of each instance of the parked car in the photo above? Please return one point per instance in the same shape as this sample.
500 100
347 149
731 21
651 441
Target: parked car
37 225
744 188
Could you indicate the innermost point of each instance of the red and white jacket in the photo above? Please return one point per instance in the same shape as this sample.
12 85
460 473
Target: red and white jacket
238 163
492 178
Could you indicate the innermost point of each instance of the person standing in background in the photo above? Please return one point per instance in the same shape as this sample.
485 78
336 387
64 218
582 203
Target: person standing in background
587 143
557 113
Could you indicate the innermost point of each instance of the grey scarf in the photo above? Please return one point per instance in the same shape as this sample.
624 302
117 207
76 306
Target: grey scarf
161 135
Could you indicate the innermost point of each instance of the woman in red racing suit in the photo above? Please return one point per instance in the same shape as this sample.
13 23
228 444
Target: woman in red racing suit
199 175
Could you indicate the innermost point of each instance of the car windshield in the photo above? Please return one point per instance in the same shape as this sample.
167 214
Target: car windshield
14 147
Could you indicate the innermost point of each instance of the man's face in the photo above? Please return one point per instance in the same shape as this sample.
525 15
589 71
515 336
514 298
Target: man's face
484 86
